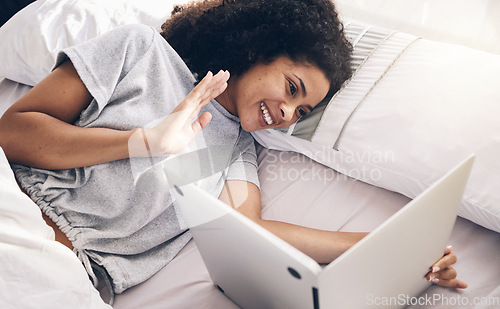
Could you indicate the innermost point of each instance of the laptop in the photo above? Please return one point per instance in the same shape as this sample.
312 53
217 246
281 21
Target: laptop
256 269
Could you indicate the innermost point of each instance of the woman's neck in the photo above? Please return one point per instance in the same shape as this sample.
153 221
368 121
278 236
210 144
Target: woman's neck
225 101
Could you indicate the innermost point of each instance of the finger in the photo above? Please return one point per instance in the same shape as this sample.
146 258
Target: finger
205 82
211 94
204 119
205 101
445 262
451 283
461 284
208 77
214 93
199 90
448 250
223 85
448 273
218 85
224 76
200 123
209 89
214 82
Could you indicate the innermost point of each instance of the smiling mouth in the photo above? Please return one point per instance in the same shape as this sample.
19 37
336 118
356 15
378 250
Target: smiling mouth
265 114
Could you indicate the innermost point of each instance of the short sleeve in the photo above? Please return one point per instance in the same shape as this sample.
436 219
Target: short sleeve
244 167
102 62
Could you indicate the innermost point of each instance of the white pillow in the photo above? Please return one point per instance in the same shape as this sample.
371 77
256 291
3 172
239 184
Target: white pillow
410 113
32 38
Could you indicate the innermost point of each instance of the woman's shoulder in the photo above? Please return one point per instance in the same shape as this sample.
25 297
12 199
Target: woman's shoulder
139 38
127 43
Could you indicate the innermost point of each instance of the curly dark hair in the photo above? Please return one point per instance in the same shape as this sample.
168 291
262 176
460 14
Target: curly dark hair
235 34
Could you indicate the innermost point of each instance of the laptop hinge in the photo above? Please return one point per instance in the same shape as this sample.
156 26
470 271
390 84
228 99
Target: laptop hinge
315 298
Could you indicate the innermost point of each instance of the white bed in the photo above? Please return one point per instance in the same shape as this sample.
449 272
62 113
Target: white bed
37 272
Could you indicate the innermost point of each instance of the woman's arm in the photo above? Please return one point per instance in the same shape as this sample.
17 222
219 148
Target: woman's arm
37 130
322 246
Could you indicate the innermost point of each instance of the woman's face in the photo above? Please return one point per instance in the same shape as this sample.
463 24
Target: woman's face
275 94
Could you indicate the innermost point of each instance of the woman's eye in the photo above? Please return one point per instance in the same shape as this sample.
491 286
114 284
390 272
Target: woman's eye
301 111
293 89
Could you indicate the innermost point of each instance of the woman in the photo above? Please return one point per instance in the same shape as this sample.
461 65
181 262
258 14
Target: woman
83 140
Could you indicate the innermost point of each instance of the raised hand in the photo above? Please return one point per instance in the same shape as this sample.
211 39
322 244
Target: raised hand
177 131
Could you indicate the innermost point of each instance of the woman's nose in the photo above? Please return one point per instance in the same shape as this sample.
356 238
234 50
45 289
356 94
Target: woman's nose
287 111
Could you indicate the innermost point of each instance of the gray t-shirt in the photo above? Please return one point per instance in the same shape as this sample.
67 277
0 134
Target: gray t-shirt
116 218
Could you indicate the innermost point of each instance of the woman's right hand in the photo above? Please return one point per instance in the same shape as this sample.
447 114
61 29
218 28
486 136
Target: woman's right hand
177 131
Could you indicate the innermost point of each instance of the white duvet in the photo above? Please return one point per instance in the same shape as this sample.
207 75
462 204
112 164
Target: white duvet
35 270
